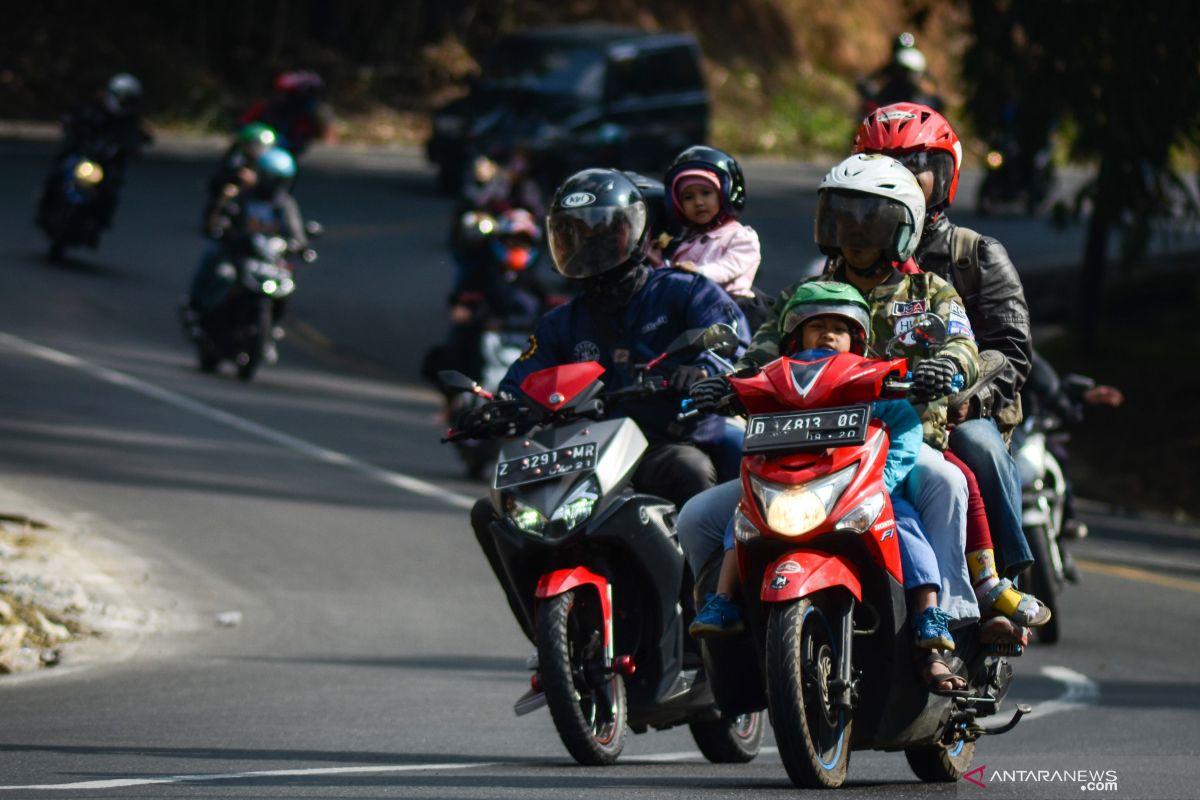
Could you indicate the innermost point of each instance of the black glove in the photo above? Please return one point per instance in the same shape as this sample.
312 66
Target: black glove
684 376
708 393
932 378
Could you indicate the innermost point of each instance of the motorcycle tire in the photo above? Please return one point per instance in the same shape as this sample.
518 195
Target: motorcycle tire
1042 582
814 740
729 740
940 764
586 700
254 346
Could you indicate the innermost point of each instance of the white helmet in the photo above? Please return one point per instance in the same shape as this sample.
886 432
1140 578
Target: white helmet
124 92
870 201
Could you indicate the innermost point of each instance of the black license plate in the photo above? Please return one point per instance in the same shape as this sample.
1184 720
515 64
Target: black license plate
799 430
545 465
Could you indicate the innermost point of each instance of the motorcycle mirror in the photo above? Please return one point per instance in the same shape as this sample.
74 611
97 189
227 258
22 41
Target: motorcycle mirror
929 330
314 229
455 381
721 339
685 340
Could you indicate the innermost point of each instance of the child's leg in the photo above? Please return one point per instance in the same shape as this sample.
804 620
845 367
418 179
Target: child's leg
727 580
921 579
720 616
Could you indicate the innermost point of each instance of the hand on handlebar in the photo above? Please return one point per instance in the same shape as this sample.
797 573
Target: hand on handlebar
933 378
686 376
706 395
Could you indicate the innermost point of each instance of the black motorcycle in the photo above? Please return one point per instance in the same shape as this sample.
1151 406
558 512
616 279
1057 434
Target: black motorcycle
1015 178
73 210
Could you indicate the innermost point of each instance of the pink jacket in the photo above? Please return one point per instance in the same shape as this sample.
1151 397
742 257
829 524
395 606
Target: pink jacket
728 255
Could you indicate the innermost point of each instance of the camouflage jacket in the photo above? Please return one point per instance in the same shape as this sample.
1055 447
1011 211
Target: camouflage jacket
895 305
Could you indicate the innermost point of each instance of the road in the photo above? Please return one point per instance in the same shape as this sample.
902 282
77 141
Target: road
375 656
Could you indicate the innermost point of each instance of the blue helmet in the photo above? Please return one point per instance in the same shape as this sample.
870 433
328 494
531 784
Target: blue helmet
276 163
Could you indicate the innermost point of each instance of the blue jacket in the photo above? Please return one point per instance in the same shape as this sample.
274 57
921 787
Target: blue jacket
905 435
671 302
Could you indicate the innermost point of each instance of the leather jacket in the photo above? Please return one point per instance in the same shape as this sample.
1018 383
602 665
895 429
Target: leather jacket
998 313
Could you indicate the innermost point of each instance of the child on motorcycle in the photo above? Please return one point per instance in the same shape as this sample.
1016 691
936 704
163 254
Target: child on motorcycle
825 317
706 191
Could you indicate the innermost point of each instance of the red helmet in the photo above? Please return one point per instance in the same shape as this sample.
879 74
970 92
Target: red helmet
921 139
298 81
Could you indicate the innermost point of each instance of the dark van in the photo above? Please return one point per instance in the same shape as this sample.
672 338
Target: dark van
577 97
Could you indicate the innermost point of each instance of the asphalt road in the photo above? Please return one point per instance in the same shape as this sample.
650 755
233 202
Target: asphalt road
376 656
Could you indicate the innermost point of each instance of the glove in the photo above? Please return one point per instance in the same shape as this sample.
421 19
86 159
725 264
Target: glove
684 376
708 393
933 378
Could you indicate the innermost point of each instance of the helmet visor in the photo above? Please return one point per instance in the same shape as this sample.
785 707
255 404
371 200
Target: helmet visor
859 221
591 240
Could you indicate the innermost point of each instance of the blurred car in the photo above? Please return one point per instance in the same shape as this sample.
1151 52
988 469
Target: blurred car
576 97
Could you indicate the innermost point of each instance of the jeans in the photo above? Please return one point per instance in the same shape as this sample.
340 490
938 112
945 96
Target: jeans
978 443
702 521
916 553
939 491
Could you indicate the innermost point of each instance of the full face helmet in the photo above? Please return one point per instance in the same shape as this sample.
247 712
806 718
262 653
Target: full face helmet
870 202
714 161
597 222
921 139
123 93
826 298
275 168
516 239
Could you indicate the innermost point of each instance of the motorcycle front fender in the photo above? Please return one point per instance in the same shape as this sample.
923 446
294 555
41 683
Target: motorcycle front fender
803 572
561 581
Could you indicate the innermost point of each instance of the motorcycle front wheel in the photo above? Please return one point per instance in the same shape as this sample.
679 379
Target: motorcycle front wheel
802 655
586 700
254 341
1043 582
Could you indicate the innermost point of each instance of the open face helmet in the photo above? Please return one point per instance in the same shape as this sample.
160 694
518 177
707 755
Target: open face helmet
597 222
921 139
870 202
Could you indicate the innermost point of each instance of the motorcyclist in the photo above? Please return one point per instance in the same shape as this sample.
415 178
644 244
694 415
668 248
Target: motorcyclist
236 170
108 130
295 111
904 78
983 275
265 207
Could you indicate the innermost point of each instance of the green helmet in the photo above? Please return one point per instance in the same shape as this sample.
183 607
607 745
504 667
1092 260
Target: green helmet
257 133
821 298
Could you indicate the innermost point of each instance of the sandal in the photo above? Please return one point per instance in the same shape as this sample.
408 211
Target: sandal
1000 636
935 682
1030 613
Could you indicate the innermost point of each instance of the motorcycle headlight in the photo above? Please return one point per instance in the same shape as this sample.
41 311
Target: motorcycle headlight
579 504
89 172
526 518
794 510
743 529
269 287
863 515
995 159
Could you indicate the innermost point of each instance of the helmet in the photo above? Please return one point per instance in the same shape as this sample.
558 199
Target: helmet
723 165
518 222
275 167
298 81
123 92
597 222
870 201
256 133
911 59
821 298
921 139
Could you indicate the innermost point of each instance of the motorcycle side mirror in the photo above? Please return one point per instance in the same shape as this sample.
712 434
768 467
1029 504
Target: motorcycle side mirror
455 381
928 330
721 339
693 338
314 229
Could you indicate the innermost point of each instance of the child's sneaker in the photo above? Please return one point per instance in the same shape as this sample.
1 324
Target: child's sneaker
933 631
719 617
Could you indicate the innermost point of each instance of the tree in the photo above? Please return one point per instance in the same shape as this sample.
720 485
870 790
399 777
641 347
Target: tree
1126 74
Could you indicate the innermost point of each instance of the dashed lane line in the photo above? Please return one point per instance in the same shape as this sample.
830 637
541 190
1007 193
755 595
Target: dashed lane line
398 480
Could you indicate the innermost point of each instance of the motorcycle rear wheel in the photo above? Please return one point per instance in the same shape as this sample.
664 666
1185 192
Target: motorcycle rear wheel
729 740
587 702
941 764
814 739
1043 583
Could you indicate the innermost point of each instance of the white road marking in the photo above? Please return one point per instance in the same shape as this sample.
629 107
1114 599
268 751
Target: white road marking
121 783
399 480
685 755
1081 692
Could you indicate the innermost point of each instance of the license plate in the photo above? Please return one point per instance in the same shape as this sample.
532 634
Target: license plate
799 430
545 465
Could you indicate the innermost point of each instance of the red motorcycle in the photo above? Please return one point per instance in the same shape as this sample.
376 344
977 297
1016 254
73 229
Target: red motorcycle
819 561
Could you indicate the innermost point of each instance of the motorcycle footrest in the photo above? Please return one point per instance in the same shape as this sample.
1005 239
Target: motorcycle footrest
1022 710
529 702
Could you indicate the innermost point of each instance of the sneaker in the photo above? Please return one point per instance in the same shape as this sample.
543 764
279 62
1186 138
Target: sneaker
933 630
719 617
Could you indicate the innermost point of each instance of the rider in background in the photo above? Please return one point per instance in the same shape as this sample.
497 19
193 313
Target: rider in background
295 111
903 79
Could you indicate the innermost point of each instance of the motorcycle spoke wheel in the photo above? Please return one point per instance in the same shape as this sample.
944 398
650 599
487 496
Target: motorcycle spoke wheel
813 737
587 702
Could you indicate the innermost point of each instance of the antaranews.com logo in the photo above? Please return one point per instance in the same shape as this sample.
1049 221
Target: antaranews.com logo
1088 780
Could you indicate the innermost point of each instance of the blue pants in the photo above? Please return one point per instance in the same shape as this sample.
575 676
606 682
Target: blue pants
979 444
916 554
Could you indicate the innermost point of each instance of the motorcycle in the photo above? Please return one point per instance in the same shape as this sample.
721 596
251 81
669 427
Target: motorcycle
594 570
259 275
828 648
1014 178
71 211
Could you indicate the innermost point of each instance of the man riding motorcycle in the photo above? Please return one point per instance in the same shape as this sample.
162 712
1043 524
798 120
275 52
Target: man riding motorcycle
295 111
626 313
236 170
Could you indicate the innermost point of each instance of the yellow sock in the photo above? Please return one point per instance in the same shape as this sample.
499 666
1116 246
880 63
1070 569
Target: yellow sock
981 564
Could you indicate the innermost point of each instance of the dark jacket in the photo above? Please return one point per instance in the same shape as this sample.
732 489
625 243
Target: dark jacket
996 309
671 302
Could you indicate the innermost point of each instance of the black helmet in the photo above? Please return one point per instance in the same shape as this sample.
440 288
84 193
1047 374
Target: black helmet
596 223
658 218
733 183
